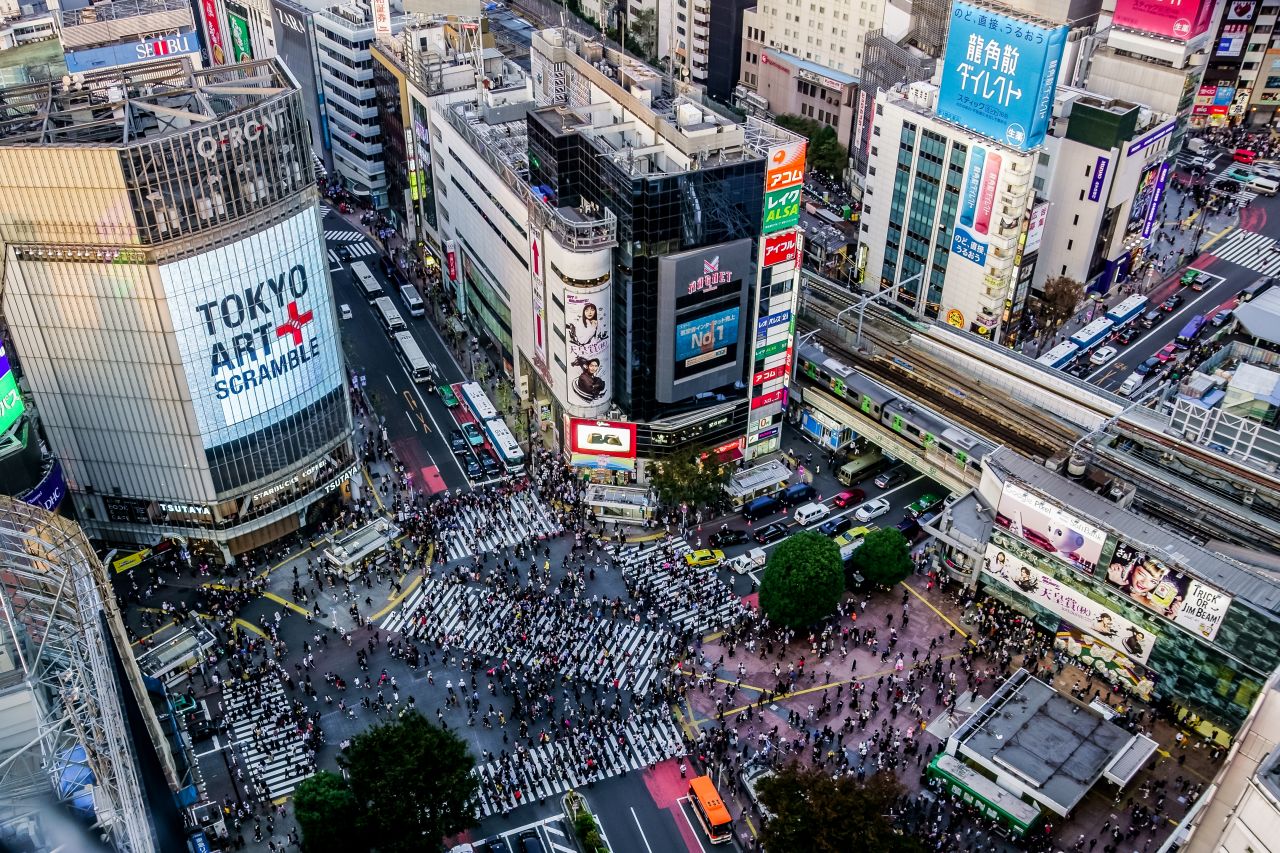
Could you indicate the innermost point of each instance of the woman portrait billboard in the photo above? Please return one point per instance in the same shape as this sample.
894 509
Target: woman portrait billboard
587 341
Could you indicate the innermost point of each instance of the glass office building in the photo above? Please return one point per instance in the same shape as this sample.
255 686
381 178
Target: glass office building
167 285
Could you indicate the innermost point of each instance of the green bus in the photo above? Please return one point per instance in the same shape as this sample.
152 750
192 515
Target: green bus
1014 814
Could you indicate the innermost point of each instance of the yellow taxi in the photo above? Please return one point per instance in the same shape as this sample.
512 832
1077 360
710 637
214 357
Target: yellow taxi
704 557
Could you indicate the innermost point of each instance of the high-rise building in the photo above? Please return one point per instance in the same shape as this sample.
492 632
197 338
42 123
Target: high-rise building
344 35
615 238
166 287
1242 78
97 36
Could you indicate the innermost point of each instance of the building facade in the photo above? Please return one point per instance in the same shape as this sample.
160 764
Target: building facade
171 299
784 84
125 33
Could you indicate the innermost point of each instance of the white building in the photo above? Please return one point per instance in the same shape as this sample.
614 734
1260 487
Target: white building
343 36
951 180
826 32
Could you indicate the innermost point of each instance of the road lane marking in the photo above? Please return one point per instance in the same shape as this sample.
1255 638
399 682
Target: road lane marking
640 829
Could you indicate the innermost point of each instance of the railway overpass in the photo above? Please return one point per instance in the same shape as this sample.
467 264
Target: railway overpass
1207 473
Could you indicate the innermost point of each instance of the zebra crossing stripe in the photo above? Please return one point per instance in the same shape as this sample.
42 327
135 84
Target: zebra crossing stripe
1250 250
282 765
348 236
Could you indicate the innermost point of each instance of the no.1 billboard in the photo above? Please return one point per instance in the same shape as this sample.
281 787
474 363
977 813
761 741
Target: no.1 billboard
999 75
1182 20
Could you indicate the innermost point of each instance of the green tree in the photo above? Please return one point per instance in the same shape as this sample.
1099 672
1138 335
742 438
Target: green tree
687 478
642 31
883 558
803 581
817 813
414 783
327 815
502 397
826 154
1057 305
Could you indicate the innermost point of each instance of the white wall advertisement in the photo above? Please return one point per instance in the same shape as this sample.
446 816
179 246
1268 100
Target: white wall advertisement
256 329
1050 528
1188 602
1071 604
586 320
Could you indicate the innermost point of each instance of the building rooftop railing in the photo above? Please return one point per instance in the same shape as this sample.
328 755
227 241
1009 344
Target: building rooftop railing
120 10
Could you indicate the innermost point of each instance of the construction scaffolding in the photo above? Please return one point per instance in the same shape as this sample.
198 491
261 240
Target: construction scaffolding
60 617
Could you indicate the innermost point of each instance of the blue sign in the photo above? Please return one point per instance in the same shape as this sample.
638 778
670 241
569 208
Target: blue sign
999 75
129 53
1099 176
50 491
767 323
1149 224
704 338
1152 138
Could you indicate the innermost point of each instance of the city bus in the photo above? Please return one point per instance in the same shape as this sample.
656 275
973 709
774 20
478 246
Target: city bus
1060 356
477 401
1013 815
369 286
506 446
710 809
1093 334
410 354
1126 310
390 318
1256 289
1188 334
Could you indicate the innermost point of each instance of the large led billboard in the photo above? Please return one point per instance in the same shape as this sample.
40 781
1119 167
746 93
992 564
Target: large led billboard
1068 603
999 75
11 406
1050 528
1180 19
586 322
255 327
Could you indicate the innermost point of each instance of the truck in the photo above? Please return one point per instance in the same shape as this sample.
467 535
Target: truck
748 562
860 467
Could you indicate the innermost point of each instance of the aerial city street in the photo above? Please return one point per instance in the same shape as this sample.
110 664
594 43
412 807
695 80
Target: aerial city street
516 427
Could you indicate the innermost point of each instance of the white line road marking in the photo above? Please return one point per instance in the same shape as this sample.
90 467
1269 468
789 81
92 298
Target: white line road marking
640 829
409 415
423 401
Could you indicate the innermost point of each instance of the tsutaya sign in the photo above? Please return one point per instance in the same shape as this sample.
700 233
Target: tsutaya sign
229 138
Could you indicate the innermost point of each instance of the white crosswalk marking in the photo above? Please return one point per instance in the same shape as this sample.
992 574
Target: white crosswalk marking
347 236
1257 252
687 598
324 210
574 641
358 250
552 768
1241 196
274 757
523 516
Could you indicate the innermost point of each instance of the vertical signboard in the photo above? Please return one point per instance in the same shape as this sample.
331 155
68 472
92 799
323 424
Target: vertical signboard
999 75
1149 223
1180 19
784 177
238 29
217 52
538 289
11 406
586 322
381 20
977 203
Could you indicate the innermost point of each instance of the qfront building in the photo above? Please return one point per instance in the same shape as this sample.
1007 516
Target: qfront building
167 292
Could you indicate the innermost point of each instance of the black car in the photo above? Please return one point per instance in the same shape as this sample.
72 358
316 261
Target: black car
458 442
727 537
771 532
1147 366
472 466
1126 335
488 463
343 253
835 526
1171 303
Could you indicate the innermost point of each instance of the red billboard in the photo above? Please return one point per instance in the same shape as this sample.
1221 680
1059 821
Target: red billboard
602 438
770 374
217 53
780 248
451 259
1182 20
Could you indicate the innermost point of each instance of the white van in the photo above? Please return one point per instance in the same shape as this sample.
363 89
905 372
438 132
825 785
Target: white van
412 301
1130 384
809 513
1197 145
748 562
1264 186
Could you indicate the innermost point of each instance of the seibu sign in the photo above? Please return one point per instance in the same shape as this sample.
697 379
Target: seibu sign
180 43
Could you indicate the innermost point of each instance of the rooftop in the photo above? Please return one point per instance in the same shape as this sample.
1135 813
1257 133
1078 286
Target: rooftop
814 68
1054 746
1253 585
1260 316
119 106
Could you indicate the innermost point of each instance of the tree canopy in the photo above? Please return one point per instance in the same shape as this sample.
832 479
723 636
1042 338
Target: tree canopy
685 478
1061 296
884 557
327 814
409 786
826 154
816 813
803 580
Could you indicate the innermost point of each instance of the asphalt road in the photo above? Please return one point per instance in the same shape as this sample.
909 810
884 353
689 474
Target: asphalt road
416 421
